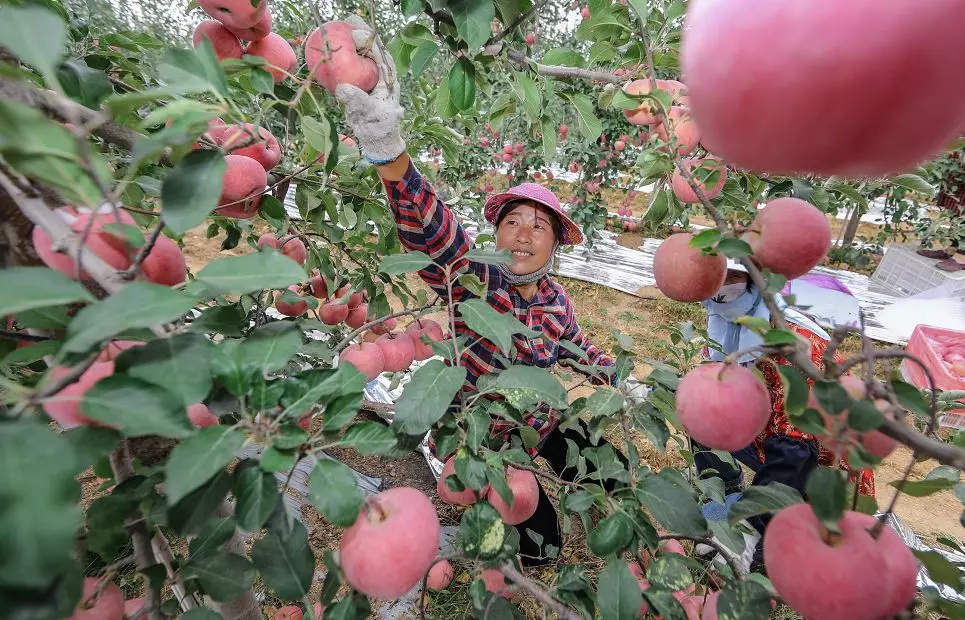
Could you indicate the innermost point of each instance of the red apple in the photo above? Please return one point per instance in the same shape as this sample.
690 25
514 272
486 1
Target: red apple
391 545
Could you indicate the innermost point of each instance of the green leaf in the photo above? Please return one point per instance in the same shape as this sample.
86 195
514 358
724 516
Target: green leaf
199 457
604 402
286 563
757 500
487 256
864 416
796 390
191 190
914 183
924 488
224 320
406 262
192 514
705 239
42 149
87 86
257 495
462 81
611 535
472 282
35 35
618 594
911 398
472 19
26 288
743 599
424 52
370 438
237 275
31 353
345 379
589 125
137 408
672 506
444 103
427 396
181 364
566 57
224 576
332 490
91 443
529 385
138 304
492 324
778 337
578 501
481 531
668 571
41 503
268 348
734 248
827 492
550 138
213 536
316 134
193 70
940 569
831 396
471 471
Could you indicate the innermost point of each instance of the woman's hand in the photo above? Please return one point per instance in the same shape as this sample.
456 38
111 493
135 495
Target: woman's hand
376 117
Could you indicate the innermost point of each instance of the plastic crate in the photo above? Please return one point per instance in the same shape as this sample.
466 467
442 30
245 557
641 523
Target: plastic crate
931 345
904 273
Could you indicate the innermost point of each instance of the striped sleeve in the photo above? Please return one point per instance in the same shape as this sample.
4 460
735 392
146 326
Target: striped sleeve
574 334
427 224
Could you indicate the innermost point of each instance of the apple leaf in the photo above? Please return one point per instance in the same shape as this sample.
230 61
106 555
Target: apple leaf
198 458
333 491
618 595
26 288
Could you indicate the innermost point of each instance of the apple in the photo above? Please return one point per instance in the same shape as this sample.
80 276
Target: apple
392 543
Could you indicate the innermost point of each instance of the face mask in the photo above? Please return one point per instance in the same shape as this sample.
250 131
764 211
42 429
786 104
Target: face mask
729 292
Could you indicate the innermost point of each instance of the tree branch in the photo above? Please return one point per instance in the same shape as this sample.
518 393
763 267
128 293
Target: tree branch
347 340
123 470
144 251
64 109
519 20
561 71
712 542
538 592
61 235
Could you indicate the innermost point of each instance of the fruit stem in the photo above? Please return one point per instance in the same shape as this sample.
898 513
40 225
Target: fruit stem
372 506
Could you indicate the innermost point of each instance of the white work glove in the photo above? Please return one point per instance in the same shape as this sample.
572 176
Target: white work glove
633 389
376 117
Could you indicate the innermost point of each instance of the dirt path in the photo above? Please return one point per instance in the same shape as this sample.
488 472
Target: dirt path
929 516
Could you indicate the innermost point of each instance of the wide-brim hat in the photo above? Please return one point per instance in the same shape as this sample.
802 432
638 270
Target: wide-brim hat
733 265
572 235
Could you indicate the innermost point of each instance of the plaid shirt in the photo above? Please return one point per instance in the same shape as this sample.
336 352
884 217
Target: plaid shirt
427 225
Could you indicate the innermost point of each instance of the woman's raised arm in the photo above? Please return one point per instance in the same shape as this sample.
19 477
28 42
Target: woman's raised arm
424 221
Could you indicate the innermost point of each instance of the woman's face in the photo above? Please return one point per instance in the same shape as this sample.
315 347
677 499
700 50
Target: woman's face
527 232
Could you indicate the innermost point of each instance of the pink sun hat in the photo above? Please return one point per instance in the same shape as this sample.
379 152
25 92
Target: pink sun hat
572 235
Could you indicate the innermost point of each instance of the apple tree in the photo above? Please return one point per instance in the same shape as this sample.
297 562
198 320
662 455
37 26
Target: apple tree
120 363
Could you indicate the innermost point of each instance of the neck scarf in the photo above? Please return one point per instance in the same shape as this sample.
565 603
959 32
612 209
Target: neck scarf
516 279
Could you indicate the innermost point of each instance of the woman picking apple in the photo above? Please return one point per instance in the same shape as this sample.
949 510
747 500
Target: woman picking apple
529 222
780 452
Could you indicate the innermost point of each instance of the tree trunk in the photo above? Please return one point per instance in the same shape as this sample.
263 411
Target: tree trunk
246 606
852 228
